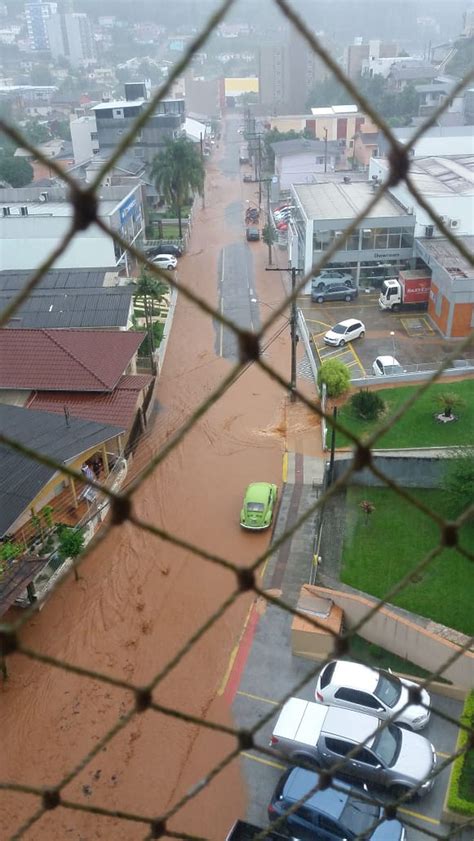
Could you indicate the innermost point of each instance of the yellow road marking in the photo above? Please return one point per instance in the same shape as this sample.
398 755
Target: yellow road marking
444 755
285 466
263 761
233 655
257 698
358 360
420 817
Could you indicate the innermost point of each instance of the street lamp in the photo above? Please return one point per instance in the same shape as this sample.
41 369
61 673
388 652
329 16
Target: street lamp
392 333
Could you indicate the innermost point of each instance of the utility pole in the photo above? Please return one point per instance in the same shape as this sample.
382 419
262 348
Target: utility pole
325 150
202 159
269 227
293 332
259 171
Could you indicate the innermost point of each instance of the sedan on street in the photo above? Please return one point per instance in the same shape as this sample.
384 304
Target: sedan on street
165 261
375 691
342 814
345 331
155 250
383 366
258 506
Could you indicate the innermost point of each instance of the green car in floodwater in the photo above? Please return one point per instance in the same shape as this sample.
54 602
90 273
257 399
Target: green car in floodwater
259 504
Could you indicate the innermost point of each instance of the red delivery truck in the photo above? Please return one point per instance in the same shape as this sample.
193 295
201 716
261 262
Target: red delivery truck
412 289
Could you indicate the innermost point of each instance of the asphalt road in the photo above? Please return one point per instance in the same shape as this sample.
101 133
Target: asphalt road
237 297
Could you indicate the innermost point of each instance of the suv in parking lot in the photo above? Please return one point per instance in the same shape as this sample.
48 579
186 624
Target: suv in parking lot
392 758
329 277
329 814
336 292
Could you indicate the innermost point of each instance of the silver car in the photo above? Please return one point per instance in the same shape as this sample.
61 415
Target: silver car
374 691
390 758
329 277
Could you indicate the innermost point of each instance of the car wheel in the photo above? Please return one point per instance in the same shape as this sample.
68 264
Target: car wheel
348 298
362 334
396 792
342 343
304 757
320 299
169 266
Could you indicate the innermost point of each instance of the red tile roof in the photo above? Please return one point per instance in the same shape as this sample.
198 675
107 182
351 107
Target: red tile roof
60 360
116 408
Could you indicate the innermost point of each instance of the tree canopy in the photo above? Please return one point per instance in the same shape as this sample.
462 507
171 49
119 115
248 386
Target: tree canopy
397 107
17 172
178 172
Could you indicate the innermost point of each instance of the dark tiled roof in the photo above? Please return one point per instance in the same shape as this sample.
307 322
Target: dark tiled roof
69 308
60 360
21 478
55 279
117 407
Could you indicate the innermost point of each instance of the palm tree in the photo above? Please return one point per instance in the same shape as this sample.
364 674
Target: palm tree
150 290
178 170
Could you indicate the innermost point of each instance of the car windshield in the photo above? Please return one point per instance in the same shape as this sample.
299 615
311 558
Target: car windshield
359 816
255 506
387 745
338 328
388 689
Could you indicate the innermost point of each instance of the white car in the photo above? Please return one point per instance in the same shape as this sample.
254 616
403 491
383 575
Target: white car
345 331
165 261
383 366
358 687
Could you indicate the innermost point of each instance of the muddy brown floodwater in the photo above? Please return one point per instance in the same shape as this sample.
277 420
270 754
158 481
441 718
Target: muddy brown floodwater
140 599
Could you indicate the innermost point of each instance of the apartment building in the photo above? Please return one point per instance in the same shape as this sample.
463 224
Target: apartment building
70 37
37 14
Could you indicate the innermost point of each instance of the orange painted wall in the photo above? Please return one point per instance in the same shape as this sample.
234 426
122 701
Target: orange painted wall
462 319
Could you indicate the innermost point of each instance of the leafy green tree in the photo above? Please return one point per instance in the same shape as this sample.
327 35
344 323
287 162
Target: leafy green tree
367 405
335 375
71 544
36 132
152 291
17 172
61 129
458 480
178 171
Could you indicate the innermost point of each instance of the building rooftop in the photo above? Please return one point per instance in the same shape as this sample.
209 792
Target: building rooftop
11 280
118 103
341 201
21 478
301 145
65 360
117 407
444 175
85 307
408 72
52 208
443 252
328 110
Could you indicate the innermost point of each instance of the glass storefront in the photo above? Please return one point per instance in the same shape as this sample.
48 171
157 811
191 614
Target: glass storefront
373 239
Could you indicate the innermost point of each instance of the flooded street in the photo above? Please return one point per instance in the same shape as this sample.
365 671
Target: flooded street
139 599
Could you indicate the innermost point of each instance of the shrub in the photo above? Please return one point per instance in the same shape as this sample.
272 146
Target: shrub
367 405
461 784
71 543
335 375
458 480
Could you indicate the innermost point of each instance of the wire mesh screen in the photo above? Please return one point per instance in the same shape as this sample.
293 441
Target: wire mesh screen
147 700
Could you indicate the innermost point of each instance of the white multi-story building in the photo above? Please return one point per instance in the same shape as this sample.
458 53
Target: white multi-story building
84 138
37 14
70 37
41 218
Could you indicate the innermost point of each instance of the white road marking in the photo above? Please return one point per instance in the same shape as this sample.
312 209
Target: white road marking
221 332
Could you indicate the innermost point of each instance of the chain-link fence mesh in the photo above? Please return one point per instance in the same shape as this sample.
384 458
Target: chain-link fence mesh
251 345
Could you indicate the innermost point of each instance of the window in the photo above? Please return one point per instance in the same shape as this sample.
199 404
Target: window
117 113
338 746
327 673
350 695
366 757
332 827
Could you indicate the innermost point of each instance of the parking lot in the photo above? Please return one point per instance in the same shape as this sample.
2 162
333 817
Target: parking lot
414 342
268 672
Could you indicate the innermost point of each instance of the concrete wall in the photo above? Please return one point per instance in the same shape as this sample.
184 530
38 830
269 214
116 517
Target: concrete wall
408 472
398 634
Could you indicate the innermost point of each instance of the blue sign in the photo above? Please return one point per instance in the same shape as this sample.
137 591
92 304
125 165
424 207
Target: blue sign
129 208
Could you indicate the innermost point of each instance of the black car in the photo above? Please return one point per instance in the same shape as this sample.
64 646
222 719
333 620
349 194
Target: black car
330 814
337 292
155 250
253 234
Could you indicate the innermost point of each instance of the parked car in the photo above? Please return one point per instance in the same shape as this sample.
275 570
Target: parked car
247 178
328 277
383 366
282 215
338 292
328 815
374 691
258 506
165 261
390 758
345 331
253 233
155 250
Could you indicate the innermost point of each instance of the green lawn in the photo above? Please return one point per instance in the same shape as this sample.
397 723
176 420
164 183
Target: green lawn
376 556
417 427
